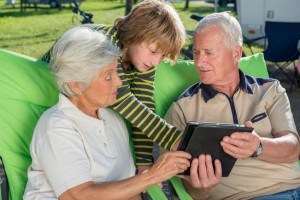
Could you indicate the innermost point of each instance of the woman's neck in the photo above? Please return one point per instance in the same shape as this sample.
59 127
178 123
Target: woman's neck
83 106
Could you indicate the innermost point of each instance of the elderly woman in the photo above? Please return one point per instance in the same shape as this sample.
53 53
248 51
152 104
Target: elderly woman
150 33
80 148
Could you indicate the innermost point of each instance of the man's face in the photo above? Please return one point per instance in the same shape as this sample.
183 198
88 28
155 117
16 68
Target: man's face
214 61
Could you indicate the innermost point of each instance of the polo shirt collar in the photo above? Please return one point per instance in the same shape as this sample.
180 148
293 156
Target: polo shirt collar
70 110
208 92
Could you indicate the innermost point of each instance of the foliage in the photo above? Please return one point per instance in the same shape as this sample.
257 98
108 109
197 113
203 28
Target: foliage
33 32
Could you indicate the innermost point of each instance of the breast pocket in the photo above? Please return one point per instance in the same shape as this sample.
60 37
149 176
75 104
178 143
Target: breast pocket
261 124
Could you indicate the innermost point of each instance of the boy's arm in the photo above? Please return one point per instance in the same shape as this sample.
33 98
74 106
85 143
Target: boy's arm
137 113
142 87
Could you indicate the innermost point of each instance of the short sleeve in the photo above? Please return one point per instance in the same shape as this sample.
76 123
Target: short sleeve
62 155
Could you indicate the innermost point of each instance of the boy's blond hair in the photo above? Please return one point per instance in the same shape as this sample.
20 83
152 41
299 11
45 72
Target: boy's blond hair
153 21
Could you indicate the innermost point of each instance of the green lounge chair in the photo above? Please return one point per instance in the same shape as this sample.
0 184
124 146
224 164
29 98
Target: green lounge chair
28 89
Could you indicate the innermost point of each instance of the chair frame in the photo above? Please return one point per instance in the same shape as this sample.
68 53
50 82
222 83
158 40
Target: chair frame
281 45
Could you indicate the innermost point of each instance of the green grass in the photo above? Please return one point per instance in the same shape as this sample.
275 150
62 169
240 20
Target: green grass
33 32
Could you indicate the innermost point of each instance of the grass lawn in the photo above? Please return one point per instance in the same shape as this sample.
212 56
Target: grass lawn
34 32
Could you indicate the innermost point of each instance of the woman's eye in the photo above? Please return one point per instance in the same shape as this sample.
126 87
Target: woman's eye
108 78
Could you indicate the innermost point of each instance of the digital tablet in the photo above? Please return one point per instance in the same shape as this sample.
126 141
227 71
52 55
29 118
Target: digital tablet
205 137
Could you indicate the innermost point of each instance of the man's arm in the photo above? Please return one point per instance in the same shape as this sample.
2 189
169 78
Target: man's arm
283 148
283 145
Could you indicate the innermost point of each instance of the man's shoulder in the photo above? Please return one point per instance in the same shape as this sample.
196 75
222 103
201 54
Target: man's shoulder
265 85
259 81
191 91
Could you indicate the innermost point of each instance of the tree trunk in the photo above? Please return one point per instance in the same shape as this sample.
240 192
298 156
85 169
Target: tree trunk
186 4
128 6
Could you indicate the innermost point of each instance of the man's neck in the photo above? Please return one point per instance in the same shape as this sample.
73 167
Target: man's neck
229 87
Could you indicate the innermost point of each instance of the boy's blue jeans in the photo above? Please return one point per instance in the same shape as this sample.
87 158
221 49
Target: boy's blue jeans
286 195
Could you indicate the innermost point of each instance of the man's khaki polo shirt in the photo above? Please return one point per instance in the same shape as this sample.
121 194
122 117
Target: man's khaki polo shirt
264 101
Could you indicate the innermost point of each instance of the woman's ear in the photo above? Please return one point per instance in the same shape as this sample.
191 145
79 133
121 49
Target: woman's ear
75 87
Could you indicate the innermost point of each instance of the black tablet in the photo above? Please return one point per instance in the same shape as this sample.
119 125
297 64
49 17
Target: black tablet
205 137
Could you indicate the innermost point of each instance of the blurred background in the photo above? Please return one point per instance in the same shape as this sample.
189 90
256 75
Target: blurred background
31 27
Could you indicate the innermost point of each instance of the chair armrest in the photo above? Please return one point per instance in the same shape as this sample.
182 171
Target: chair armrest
250 41
196 17
3 183
179 188
156 193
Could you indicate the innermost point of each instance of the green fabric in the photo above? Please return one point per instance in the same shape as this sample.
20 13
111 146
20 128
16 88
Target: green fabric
27 90
254 65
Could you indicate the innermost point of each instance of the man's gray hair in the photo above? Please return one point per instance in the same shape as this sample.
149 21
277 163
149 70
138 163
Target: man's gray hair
232 29
79 56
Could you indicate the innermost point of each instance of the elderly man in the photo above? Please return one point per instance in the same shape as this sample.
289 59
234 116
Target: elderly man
267 159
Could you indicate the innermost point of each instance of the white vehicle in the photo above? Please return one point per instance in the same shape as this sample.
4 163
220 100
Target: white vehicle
252 15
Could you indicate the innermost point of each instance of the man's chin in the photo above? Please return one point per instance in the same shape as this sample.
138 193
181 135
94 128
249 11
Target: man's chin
205 80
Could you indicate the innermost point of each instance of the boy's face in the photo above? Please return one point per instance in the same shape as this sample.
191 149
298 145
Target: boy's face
145 56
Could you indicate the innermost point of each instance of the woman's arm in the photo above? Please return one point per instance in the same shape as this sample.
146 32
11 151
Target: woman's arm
168 165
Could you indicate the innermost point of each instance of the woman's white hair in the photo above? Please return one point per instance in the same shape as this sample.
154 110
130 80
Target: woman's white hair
231 27
79 55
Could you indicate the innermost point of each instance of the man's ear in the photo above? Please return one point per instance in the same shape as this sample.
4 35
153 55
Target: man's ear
237 53
74 86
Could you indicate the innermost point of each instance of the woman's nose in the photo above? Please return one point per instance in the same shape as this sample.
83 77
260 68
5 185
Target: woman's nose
118 81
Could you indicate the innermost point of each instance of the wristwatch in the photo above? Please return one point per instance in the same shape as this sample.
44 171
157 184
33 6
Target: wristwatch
258 151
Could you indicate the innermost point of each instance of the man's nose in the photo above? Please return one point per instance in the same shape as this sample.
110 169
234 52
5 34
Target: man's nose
200 59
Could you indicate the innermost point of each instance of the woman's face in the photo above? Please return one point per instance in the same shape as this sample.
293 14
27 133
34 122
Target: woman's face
103 91
144 56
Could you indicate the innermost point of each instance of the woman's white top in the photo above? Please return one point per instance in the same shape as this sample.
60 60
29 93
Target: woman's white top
69 148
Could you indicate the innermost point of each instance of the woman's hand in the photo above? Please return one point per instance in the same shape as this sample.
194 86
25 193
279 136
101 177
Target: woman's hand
169 164
142 168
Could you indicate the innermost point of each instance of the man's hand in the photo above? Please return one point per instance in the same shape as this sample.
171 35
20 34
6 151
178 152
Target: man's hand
240 144
202 173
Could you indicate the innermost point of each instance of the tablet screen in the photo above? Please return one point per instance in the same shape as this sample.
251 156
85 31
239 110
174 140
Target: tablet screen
205 137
